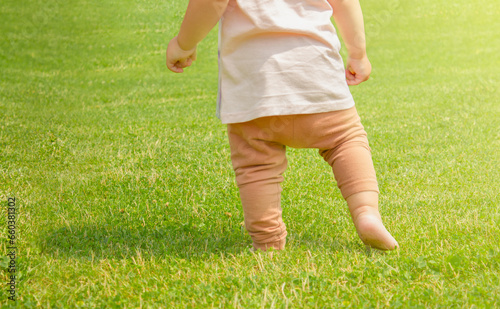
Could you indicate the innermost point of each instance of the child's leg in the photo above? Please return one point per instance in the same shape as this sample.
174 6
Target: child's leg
352 166
259 165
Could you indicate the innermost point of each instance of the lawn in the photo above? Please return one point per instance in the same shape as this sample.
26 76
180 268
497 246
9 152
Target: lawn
125 196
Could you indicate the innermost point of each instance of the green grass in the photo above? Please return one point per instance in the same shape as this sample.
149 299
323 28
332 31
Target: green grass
124 185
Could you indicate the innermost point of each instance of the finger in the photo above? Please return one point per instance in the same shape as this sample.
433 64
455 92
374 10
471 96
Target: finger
353 82
349 75
174 68
184 63
191 58
352 79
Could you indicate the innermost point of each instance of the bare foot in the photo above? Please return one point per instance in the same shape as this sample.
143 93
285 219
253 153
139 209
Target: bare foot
373 233
366 217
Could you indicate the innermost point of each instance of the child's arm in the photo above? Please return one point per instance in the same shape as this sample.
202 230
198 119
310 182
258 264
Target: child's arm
201 16
349 20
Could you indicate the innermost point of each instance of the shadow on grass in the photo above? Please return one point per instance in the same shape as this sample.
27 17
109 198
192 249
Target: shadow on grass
325 244
178 241
123 241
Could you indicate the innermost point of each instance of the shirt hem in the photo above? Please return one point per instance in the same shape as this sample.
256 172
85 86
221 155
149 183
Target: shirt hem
280 110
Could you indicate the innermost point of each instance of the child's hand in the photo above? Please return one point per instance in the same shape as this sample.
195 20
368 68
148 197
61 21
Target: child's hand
357 70
177 58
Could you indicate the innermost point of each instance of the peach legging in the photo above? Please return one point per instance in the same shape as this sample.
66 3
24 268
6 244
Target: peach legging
258 156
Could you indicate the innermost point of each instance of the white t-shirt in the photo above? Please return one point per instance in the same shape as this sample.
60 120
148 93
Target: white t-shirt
279 57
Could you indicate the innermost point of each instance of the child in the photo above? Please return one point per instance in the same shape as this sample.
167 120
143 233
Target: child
282 83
